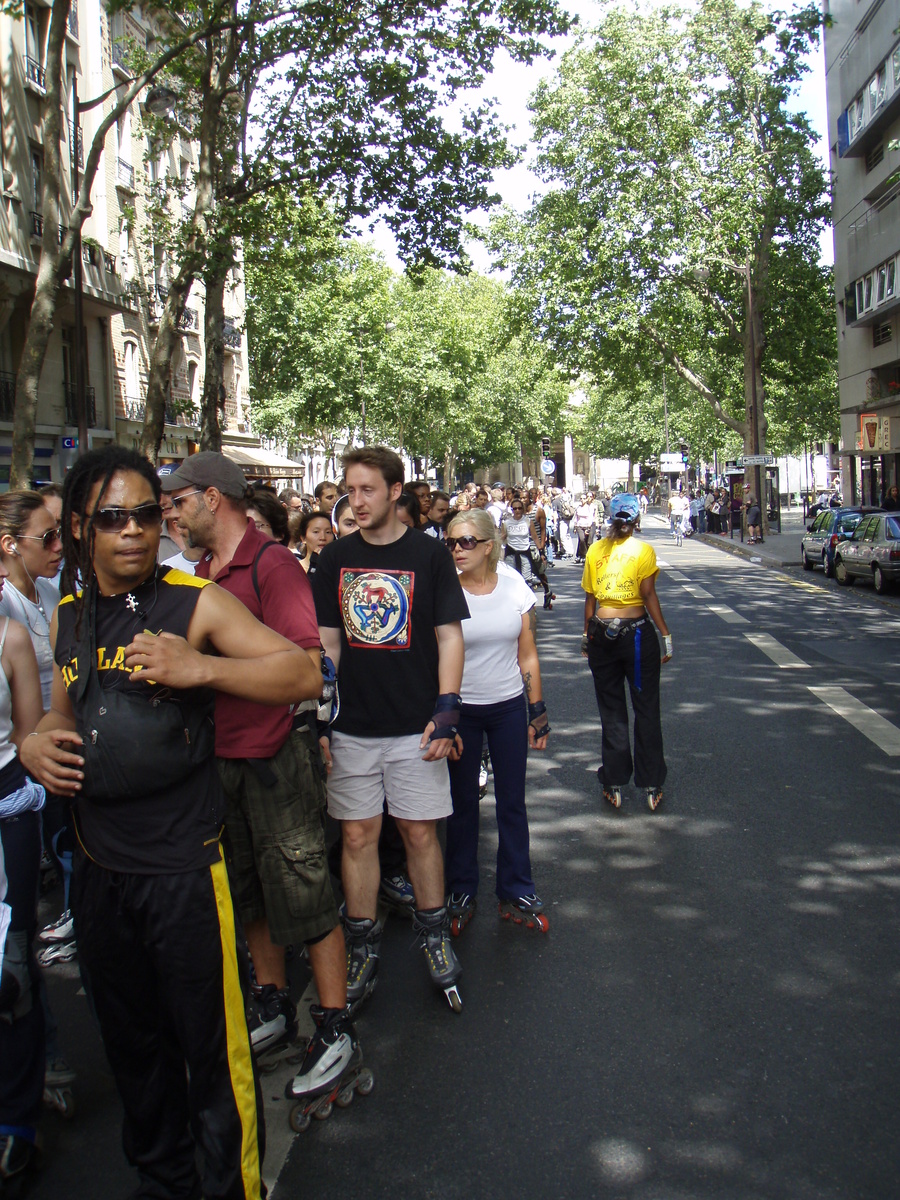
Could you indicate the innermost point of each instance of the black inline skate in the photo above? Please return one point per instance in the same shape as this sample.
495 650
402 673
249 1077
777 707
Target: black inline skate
363 938
654 798
275 1027
525 910
462 909
332 1069
433 927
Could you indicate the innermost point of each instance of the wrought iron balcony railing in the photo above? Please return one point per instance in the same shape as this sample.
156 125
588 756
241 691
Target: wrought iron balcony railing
231 336
76 144
125 174
35 73
90 397
72 19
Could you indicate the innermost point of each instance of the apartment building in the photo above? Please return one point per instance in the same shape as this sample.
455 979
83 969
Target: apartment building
125 274
862 52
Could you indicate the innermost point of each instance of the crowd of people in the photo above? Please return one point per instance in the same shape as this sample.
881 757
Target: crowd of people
194 673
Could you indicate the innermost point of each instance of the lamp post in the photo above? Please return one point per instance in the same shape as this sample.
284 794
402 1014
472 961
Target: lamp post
160 100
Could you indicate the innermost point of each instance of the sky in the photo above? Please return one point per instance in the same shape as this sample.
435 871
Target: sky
512 83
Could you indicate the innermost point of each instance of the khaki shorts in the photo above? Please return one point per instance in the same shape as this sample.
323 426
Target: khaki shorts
368 771
275 840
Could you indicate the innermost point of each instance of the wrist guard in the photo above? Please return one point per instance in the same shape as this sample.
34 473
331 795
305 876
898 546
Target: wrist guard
446 716
667 644
538 719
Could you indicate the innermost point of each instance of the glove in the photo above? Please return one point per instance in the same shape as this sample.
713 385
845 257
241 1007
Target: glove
446 717
330 700
538 719
667 645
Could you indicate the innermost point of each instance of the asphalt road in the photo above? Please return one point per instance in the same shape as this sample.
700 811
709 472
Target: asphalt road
713 1012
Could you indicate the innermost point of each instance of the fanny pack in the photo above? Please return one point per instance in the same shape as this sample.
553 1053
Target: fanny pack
138 739
610 628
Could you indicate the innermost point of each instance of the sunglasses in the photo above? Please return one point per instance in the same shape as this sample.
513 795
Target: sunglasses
114 520
466 542
177 501
46 539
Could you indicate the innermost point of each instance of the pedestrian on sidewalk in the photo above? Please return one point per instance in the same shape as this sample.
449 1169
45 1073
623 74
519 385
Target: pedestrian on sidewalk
754 520
620 644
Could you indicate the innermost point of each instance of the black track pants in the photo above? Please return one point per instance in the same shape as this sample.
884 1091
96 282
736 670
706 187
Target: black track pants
167 973
633 656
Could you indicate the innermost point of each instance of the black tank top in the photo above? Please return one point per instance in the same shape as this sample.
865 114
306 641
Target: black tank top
177 828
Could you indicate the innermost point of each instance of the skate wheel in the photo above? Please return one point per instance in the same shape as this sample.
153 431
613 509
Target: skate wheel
66 1104
453 998
344 1097
299 1119
323 1112
541 923
366 1082
456 927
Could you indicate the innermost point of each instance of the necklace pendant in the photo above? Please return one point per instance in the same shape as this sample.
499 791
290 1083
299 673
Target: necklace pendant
131 601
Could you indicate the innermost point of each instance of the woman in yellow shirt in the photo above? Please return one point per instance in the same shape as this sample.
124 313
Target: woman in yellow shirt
620 644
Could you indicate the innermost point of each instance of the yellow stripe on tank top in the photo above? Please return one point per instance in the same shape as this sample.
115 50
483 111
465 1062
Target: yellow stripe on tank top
240 1058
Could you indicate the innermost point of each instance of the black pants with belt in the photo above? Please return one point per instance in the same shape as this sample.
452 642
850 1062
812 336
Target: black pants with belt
167 972
634 657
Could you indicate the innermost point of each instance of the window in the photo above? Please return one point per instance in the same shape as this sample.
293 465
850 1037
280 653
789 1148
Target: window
890 285
37 175
892 529
132 381
881 284
34 44
869 290
193 382
895 67
877 89
860 297
856 115
871 533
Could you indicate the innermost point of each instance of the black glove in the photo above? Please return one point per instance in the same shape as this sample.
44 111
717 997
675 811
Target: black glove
446 717
538 719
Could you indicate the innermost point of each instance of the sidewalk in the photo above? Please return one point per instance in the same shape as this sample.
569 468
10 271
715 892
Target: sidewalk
777 550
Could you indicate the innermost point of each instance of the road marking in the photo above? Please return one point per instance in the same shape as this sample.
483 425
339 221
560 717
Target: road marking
698 593
780 655
679 577
869 723
728 614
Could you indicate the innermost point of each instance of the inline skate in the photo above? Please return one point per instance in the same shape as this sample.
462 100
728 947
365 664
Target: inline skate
525 910
363 938
59 941
19 1158
462 909
331 1071
58 1080
433 927
275 1027
654 798
612 794
398 894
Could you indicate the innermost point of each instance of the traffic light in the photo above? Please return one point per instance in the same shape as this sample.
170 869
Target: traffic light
685 451
545 447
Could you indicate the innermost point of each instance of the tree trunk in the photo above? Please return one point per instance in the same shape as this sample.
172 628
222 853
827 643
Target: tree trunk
54 267
448 468
213 401
213 86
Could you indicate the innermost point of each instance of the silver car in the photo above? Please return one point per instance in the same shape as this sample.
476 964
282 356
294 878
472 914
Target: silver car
873 552
827 531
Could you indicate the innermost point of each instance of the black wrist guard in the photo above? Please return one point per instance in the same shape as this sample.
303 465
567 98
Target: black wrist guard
446 716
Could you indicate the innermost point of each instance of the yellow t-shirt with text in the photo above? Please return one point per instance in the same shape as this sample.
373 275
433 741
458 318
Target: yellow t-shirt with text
615 570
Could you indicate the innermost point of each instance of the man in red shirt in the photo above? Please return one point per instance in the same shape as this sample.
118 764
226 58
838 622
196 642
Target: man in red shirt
271 771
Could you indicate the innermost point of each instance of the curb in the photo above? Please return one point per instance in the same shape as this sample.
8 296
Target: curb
742 550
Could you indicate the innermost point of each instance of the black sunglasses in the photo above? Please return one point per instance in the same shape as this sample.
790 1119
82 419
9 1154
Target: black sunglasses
114 520
466 542
46 539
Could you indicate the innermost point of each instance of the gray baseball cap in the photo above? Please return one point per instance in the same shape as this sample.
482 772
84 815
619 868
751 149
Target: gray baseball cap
204 470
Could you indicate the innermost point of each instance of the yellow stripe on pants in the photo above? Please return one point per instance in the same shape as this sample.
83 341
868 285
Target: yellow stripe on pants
240 1058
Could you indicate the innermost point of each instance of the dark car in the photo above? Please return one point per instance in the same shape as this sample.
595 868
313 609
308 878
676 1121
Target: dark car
826 532
872 553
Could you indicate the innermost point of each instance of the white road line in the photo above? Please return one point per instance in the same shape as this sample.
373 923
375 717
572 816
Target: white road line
780 655
869 723
728 614
698 593
678 577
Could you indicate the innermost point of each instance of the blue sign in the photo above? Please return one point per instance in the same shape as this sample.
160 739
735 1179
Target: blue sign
70 443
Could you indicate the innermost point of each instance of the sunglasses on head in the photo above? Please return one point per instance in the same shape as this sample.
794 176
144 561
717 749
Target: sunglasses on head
46 539
467 542
114 520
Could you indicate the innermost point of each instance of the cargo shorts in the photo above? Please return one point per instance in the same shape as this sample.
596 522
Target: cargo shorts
275 840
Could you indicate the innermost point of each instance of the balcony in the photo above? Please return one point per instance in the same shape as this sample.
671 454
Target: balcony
7 395
37 226
134 408
35 75
72 407
189 321
231 336
119 56
109 261
89 254
187 213
72 20
124 174
76 144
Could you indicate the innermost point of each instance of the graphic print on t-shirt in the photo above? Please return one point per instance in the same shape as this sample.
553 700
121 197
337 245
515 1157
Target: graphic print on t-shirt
375 607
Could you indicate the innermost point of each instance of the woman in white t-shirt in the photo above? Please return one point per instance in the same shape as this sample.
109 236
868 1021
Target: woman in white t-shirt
502 699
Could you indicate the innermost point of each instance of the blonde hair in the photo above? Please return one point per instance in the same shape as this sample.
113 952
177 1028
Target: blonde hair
483 524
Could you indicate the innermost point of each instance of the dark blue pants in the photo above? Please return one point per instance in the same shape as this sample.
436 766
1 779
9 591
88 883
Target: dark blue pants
633 656
22 1039
506 726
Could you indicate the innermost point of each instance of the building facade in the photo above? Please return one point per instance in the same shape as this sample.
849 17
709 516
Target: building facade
862 53
125 272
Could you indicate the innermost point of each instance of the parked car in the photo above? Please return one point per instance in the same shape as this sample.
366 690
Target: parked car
872 553
827 531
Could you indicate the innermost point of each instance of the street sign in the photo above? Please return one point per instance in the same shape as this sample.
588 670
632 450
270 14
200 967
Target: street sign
70 443
757 460
734 470
548 467
672 462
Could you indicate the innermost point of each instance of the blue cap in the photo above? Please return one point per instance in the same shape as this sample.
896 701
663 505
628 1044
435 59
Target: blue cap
626 506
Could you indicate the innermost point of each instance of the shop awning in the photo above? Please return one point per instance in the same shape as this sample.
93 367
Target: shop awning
257 463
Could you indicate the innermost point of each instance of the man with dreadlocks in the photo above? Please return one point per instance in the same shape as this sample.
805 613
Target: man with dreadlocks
139 654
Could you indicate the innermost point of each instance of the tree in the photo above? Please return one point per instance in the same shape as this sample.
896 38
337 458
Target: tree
684 205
